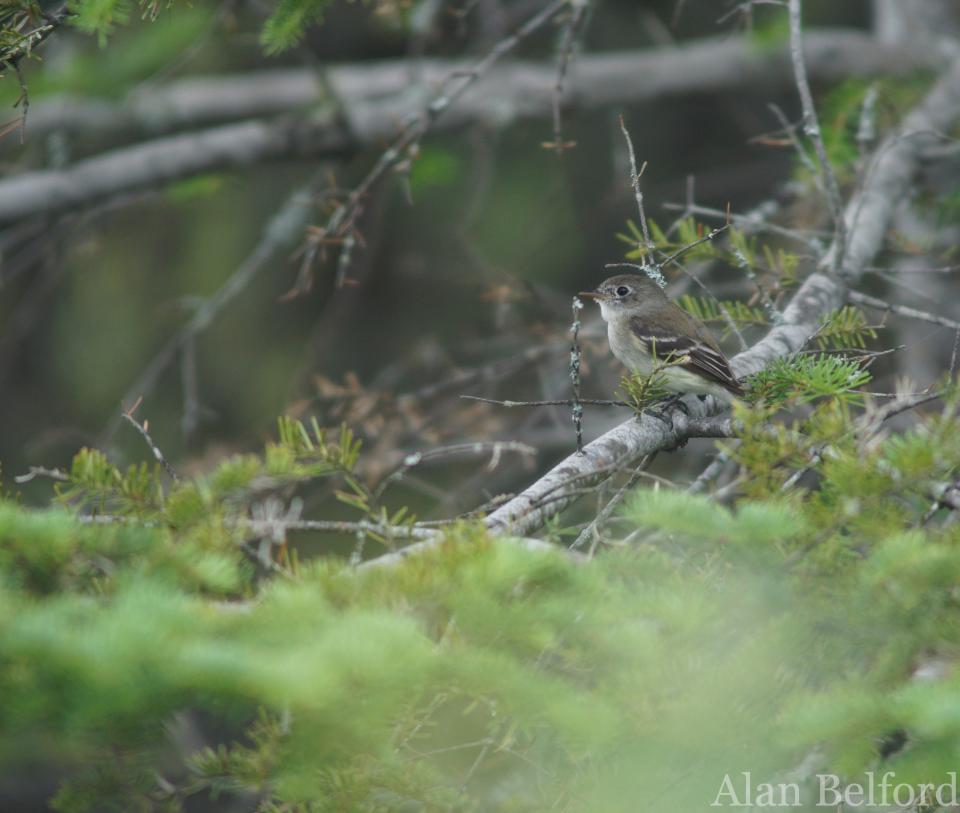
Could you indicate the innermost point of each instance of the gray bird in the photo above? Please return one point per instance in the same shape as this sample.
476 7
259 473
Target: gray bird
648 332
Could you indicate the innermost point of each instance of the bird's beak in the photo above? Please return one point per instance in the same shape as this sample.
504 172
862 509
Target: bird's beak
596 296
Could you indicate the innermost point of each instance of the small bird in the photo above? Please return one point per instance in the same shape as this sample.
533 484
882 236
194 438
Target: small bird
648 332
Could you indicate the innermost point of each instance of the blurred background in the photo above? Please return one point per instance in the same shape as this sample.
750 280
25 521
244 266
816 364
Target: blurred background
464 263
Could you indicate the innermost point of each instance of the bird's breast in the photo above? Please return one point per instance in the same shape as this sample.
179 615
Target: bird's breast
628 349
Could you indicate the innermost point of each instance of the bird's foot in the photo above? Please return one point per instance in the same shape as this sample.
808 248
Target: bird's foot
661 414
675 401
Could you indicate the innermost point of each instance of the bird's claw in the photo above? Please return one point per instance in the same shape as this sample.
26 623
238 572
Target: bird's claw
677 401
661 414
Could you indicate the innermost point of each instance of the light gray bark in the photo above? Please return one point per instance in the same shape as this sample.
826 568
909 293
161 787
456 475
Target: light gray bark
934 24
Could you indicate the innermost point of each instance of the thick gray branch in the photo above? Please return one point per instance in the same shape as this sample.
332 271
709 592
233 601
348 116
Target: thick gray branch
934 24
162 161
683 429
374 101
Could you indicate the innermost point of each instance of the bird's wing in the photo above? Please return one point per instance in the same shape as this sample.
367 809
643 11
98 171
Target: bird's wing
697 349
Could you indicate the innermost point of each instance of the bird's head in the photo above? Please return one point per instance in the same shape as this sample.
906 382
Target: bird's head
624 294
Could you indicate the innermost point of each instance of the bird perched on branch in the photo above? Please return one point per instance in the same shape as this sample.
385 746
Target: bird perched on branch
650 334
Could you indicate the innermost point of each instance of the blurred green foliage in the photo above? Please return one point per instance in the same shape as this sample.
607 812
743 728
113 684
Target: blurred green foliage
859 108
136 55
482 675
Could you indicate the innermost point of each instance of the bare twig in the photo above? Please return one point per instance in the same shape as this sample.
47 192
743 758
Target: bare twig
751 222
341 221
712 471
495 371
867 126
282 231
592 532
901 310
570 402
790 131
127 415
677 254
495 448
39 471
268 527
943 269
575 357
812 131
578 10
638 192
954 354
711 235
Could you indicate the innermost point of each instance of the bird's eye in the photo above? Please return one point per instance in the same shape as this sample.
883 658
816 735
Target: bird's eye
623 290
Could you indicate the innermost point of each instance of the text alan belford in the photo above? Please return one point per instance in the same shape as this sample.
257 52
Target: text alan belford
830 790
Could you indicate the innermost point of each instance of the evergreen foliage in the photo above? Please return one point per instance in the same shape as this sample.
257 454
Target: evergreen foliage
289 21
712 311
845 329
484 676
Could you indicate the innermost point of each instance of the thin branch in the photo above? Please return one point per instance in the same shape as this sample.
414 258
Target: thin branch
495 448
142 428
575 358
710 236
943 269
901 310
592 532
268 527
812 131
790 131
568 402
281 232
637 190
39 471
867 126
374 93
578 10
955 354
453 87
494 371
713 470
751 223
